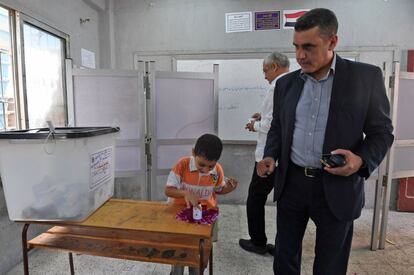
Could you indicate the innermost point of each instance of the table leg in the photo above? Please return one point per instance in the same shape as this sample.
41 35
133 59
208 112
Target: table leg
201 249
25 249
72 270
210 270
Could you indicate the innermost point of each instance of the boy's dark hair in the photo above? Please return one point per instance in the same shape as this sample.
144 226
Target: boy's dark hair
323 18
209 147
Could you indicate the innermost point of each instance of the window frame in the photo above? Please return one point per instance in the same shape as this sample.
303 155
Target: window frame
20 19
13 76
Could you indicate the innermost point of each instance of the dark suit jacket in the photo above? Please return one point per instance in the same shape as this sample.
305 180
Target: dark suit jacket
358 106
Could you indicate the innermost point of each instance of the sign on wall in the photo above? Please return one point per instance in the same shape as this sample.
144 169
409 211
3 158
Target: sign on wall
267 20
88 59
239 22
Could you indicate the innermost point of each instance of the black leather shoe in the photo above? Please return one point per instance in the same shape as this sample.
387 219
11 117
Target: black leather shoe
270 249
251 247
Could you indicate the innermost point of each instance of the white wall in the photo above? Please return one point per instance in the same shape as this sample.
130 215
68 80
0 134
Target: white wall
191 26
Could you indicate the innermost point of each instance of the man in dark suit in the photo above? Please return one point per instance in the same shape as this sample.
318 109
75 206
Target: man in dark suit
331 105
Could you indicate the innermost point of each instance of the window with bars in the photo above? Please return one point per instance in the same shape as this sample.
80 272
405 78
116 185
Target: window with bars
39 96
7 92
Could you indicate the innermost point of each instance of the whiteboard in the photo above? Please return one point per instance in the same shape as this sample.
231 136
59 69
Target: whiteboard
241 90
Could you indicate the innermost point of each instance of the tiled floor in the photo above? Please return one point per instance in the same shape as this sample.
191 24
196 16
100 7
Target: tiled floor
229 259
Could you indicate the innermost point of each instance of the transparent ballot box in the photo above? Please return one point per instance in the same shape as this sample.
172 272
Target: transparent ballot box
58 174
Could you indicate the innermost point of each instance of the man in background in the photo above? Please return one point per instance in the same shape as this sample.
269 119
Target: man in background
275 65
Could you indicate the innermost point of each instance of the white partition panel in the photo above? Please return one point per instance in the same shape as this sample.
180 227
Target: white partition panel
403 161
400 160
167 155
404 128
114 98
403 148
184 106
128 158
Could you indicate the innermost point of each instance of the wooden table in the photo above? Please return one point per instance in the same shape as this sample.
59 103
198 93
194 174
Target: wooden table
132 230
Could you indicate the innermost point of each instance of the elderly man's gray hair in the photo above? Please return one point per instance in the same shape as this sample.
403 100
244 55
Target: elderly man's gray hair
278 58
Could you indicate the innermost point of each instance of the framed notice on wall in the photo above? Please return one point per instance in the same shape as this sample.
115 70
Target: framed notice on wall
239 22
88 59
267 20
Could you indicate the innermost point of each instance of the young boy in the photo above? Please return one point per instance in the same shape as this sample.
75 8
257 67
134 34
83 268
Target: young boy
197 179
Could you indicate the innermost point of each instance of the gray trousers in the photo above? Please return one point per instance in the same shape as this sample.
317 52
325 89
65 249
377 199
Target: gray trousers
179 270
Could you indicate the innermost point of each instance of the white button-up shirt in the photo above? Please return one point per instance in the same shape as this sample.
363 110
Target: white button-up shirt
263 126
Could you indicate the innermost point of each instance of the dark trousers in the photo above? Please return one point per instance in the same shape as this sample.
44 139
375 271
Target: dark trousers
259 189
303 198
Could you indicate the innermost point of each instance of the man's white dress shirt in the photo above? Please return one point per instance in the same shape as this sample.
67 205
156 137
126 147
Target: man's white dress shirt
263 126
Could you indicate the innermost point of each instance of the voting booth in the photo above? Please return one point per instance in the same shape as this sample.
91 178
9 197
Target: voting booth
160 116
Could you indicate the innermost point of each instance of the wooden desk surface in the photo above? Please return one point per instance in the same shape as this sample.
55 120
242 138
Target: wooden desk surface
144 216
134 230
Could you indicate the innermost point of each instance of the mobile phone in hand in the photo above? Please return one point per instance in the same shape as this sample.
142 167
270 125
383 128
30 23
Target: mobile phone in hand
333 160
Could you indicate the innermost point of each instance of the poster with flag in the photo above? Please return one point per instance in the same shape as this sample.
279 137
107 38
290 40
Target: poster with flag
290 17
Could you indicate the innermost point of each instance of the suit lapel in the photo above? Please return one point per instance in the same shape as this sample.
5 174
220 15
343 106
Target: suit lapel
338 95
293 95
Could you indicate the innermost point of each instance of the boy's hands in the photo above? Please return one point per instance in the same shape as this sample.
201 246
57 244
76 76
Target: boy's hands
173 192
231 184
193 200
190 199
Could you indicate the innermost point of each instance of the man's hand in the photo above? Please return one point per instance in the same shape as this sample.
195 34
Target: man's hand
353 163
265 167
250 126
257 116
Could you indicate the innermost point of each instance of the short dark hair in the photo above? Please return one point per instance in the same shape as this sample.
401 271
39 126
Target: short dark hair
323 18
209 147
